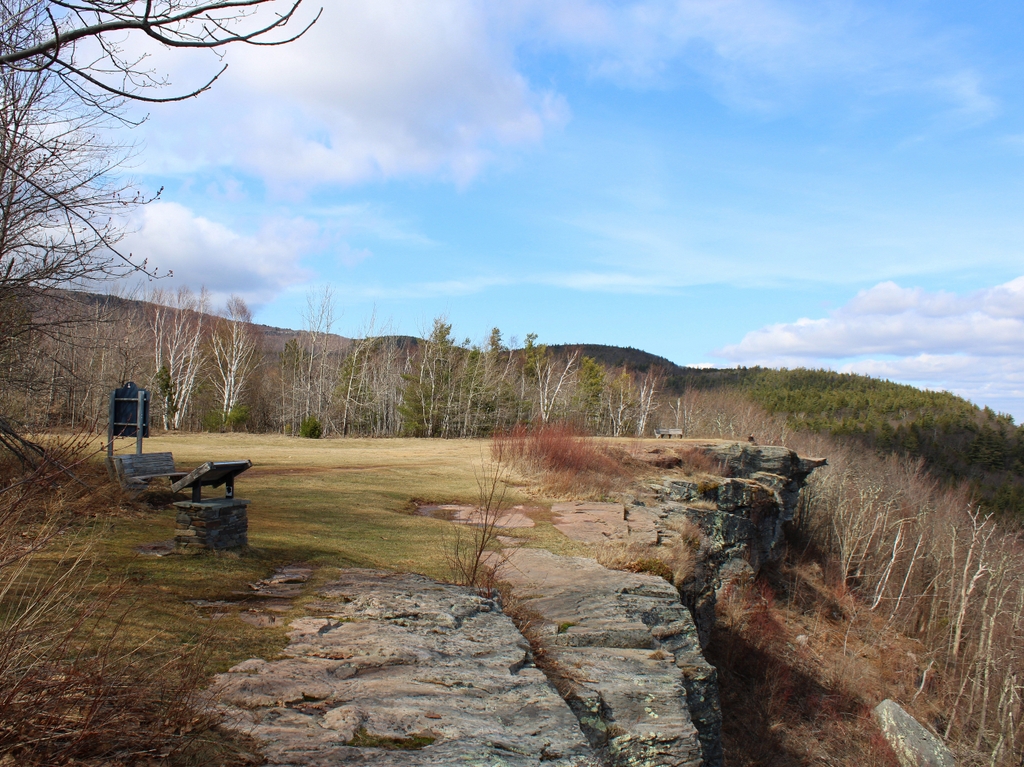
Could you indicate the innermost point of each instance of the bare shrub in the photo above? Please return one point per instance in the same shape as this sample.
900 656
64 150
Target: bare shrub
569 461
471 549
70 687
697 461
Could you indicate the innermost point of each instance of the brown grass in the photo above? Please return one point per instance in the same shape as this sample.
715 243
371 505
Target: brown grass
694 460
675 561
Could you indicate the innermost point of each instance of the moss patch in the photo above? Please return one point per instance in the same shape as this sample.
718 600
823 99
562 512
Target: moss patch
364 739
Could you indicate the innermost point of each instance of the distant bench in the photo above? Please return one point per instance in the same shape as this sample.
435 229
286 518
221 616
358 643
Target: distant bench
135 471
659 433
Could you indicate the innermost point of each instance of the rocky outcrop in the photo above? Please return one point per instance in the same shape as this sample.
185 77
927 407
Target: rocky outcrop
913 744
740 516
395 669
626 654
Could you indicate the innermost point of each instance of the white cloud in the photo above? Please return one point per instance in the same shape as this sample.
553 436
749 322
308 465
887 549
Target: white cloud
585 282
376 89
436 289
201 252
972 344
609 282
371 220
965 92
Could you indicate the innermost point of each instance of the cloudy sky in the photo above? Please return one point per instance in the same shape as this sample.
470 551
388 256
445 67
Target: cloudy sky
823 184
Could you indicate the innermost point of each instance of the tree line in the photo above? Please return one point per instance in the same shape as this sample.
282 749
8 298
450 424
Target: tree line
212 368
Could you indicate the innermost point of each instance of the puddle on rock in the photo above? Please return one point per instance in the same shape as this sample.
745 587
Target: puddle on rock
471 515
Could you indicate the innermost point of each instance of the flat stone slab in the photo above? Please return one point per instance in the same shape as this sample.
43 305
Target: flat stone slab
604 522
397 669
627 651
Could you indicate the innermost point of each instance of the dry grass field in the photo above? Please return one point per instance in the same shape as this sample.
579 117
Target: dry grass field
329 503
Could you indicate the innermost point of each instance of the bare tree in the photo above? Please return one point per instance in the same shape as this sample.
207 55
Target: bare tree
80 41
620 402
551 376
59 198
645 399
431 391
234 354
64 78
177 322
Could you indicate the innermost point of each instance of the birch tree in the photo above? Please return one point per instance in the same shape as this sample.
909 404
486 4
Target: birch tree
646 394
177 320
235 351
550 376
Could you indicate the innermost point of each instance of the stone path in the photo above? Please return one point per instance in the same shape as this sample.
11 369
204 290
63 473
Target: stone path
627 652
396 669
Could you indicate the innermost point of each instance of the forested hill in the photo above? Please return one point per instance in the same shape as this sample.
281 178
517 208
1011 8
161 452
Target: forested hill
957 440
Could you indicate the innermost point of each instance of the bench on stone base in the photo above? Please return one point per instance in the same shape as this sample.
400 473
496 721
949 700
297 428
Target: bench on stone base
216 523
670 433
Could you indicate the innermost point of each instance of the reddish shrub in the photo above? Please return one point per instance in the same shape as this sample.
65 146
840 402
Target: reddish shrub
570 460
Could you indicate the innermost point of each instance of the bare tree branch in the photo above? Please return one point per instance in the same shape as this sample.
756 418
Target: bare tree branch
38 35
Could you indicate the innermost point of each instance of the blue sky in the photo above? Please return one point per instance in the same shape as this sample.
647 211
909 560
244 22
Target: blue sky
833 184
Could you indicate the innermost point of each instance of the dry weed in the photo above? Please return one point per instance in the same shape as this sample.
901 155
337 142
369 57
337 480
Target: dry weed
675 562
569 463
681 558
71 689
698 461
470 550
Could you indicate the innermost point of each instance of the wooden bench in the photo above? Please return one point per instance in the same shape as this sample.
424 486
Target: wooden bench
135 471
659 433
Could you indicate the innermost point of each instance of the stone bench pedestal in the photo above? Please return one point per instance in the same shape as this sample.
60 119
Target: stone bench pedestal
221 523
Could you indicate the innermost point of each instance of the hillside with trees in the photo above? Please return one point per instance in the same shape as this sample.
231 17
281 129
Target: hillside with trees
958 441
